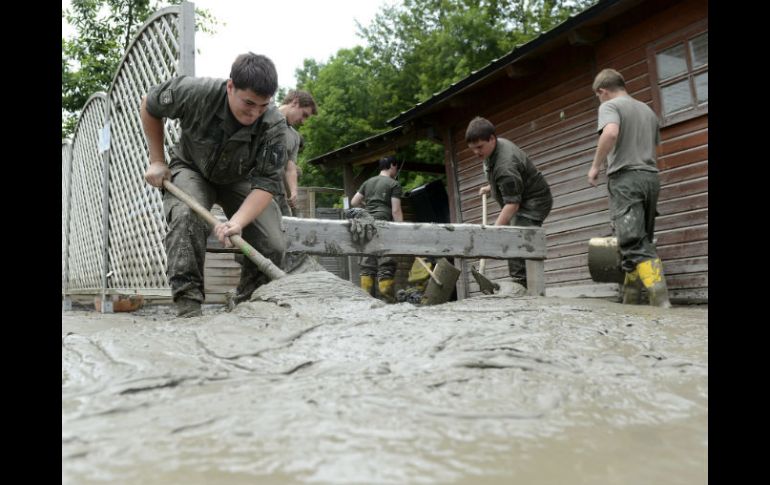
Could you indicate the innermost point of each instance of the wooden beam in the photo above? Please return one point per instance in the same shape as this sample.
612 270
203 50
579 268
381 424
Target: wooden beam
586 35
332 237
524 68
424 167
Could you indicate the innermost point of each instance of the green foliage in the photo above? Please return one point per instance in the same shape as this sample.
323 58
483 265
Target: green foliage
104 29
416 49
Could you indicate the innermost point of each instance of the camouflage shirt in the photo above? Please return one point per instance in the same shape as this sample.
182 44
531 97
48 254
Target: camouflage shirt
213 142
514 179
292 152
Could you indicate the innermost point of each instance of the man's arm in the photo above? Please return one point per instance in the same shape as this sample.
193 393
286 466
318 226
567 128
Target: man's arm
158 170
290 177
250 209
607 141
506 214
358 200
395 209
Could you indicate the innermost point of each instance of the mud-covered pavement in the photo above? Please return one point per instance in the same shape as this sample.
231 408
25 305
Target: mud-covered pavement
340 388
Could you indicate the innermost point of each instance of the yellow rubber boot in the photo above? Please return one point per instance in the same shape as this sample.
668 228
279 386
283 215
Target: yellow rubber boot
651 274
367 283
632 288
386 290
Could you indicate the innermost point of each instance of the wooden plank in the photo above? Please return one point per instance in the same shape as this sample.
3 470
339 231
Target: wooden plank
689 295
686 265
691 140
683 204
681 235
595 290
332 237
693 249
687 172
683 158
535 277
681 219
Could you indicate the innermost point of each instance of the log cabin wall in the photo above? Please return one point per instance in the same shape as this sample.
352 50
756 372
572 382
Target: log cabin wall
549 110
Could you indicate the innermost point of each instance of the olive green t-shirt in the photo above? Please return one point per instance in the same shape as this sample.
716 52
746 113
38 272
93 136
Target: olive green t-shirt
638 134
377 192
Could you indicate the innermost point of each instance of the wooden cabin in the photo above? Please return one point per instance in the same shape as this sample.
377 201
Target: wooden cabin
539 96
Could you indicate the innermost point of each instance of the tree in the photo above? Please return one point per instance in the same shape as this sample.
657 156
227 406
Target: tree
104 29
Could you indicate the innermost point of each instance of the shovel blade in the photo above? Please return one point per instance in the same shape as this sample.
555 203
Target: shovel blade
487 287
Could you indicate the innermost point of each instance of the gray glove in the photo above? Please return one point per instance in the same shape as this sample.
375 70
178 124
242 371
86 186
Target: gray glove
362 226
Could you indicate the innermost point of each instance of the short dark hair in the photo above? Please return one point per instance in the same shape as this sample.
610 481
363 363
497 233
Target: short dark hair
305 99
255 72
387 162
479 129
609 79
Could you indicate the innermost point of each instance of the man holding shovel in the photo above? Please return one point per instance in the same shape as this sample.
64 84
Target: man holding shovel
230 151
518 187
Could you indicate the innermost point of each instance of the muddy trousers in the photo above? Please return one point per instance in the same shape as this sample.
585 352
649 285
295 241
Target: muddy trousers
383 267
186 238
633 203
517 267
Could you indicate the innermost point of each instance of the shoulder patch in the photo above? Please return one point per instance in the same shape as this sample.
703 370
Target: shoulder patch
166 97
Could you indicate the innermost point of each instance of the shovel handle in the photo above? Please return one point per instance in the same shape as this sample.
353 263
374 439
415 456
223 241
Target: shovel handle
431 273
263 264
483 262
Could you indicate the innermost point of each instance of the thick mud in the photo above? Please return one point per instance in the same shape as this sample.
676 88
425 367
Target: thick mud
318 383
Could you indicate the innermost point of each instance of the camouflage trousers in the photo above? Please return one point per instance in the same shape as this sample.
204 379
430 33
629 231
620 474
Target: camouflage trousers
517 267
633 207
383 267
187 234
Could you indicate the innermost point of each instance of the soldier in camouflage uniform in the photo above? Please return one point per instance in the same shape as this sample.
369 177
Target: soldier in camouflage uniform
381 196
230 152
629 134
296 107
515 183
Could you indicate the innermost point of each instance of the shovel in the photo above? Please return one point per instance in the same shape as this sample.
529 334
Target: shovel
427 268
263 264
485 285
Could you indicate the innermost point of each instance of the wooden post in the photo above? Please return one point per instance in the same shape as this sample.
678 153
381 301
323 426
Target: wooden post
535 277
187 39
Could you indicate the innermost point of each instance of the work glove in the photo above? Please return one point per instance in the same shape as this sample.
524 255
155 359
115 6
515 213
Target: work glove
362 227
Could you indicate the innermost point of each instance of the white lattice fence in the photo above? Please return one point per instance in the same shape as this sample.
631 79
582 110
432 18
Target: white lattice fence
163 48
66 167
85 249
137 259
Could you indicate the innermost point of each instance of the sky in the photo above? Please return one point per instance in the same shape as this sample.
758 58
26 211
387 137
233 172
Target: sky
287 32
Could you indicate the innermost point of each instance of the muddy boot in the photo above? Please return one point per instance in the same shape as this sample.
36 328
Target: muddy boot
245 288
386 290
632 288
367 283
186 308
651 274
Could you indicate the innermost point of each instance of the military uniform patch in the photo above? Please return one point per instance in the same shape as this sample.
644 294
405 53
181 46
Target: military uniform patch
166 97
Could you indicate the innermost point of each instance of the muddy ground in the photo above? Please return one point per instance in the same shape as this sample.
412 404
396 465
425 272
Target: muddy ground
318 383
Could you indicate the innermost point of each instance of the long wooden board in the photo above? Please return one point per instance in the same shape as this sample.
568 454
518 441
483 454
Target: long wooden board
332 237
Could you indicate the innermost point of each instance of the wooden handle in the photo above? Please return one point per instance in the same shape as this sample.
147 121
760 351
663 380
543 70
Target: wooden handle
424 265
483 262
263 264
484 209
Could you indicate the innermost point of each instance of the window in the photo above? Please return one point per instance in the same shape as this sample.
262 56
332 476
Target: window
680 77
